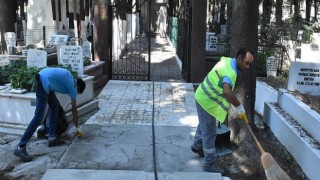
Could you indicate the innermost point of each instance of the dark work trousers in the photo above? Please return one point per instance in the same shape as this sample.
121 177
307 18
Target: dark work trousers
42 99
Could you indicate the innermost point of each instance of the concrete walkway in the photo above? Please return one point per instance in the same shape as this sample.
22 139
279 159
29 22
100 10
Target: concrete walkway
118 140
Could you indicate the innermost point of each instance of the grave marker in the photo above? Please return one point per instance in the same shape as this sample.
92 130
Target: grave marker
310 52
86 45
36 58
305 78
58 39
72 55
4 60
272 66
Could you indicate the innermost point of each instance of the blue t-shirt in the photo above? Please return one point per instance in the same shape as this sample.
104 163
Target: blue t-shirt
58 80
226 79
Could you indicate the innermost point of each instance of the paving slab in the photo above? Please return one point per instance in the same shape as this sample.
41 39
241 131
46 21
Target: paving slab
76 174
131 102
129 147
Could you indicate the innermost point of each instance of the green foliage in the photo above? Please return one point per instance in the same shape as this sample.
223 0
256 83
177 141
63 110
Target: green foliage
24 78
7 70
307 34
86 61
21 76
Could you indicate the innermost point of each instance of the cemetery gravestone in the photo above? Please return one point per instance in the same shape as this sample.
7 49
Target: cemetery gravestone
305 78
310 52
36 58
10 38
58 39
272 66
86 49
72 55
4 60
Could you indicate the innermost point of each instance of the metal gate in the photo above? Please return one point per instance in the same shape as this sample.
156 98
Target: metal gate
130 41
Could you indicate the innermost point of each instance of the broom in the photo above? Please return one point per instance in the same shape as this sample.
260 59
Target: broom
271 168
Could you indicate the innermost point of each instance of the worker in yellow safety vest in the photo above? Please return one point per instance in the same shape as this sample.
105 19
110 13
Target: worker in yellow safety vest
213 98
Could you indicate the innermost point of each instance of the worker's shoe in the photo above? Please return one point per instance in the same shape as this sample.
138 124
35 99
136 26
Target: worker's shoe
55 142
213 168
197 151
22 154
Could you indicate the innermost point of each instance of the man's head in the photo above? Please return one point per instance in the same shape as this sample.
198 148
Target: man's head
81 85
244 58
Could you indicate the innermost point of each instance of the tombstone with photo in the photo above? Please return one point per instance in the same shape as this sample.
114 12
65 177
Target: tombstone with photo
72 55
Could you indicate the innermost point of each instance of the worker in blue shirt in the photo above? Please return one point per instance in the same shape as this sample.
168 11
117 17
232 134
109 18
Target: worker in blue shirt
48 81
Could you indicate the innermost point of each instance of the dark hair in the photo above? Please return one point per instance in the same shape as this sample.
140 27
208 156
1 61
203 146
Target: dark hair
243 52
81 85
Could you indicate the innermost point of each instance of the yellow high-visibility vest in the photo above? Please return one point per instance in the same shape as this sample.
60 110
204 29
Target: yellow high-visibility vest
209 92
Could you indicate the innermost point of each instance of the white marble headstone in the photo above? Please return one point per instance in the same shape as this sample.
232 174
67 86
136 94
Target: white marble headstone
72 55
36 58
272 66
310 52
86 45
4 60
304 77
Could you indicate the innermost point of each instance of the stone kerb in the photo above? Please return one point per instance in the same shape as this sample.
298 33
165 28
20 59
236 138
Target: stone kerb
304 77
300 144
264 93
303 114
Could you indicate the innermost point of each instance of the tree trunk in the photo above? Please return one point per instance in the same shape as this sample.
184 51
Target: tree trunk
279 4
315 10
266 16
7 19
308 10
244 33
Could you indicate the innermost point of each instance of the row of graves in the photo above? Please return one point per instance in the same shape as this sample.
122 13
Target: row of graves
293 122
68 52
18 105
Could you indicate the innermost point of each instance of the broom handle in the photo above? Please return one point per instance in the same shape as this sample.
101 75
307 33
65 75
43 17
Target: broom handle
246 121
254 137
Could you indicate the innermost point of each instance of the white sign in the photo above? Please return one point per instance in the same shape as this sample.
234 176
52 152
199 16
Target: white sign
36 58
72 55
58 39
10 38
4 60
271 66
86 45
211 41
304 77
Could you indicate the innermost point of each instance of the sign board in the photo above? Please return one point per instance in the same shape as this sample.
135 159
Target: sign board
211 41
58 39
36 58
86 46
4 60
310 52
72 55
304 77
272 66
10 38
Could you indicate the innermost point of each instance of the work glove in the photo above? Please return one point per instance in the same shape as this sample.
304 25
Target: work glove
79 132
241 113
